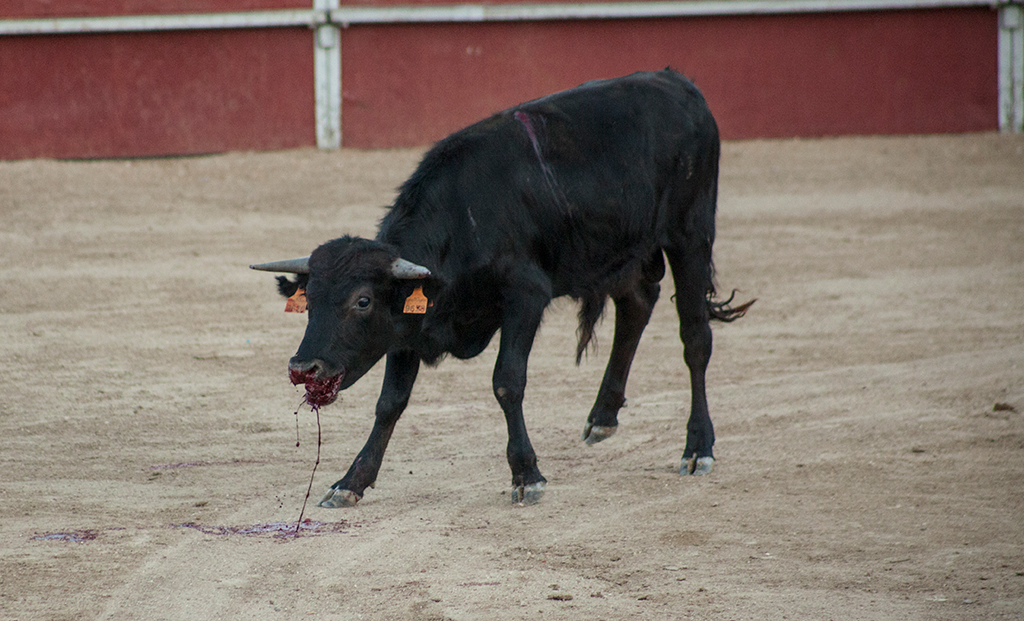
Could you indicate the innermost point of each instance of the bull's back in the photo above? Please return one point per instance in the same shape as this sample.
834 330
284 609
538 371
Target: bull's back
626 156
644 114
573 181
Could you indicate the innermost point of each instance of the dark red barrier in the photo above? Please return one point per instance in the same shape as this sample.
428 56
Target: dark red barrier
176 92
823 74
139 94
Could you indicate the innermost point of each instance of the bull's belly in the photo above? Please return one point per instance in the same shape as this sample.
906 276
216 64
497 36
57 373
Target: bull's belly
472 341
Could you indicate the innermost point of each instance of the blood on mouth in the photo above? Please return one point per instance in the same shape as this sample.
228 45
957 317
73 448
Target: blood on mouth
319 391
322 392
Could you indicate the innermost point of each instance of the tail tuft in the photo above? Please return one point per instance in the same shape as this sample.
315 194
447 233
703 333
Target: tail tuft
722 311
591 309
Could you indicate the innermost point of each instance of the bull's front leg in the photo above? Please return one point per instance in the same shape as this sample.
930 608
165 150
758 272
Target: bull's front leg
521 318
399 377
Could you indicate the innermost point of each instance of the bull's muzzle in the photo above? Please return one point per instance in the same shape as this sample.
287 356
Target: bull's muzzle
302 371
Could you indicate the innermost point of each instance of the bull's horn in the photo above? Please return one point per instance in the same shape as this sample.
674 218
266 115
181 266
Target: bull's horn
292 266
407 270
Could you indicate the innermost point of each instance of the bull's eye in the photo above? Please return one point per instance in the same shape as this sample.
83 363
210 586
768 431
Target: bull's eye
363 303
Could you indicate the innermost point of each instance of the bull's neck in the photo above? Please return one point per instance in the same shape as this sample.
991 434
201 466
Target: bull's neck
414 239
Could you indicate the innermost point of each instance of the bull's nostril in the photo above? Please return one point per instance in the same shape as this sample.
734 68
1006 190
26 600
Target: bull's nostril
302 371
299 372
297 377
295 364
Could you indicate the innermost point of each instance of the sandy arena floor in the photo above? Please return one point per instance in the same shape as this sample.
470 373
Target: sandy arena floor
869 409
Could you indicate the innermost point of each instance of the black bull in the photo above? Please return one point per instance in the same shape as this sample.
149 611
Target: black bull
580 193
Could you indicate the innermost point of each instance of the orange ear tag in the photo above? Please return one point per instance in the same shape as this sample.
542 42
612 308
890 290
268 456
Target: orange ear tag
296 303
416 303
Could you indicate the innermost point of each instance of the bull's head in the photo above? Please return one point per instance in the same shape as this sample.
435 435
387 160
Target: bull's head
351 289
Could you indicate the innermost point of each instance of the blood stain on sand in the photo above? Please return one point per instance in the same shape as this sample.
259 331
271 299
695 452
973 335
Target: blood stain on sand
194 464
75 536
277 530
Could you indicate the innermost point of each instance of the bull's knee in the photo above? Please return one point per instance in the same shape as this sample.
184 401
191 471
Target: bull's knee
507 394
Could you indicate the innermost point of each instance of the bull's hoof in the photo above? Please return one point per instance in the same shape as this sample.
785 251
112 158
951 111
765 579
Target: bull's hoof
528 494
592 434
697 465
338 498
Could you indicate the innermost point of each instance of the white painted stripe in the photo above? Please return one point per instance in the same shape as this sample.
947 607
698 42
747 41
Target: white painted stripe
465 13
145 23
627 10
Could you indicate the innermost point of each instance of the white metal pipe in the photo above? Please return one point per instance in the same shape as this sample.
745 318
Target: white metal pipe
463 13
327 79
1011 68
144 23
625 10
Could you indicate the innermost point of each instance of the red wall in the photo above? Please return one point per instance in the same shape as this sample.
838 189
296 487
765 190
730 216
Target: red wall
117 95
764 76
140 94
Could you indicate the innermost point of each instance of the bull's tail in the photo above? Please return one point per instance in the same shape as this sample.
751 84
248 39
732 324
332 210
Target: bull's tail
591 309
724 311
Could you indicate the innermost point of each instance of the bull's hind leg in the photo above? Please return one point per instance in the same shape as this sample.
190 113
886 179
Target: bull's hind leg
632 312
691 271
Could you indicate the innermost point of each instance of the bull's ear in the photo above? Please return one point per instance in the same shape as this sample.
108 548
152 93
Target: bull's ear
407 270
291 266
287 288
